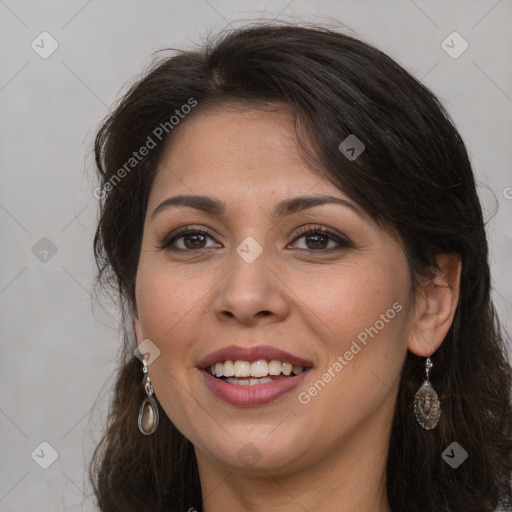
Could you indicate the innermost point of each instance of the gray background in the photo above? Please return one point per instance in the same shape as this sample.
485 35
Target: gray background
58 351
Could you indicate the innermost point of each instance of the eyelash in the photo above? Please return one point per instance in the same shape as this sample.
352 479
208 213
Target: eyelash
342 242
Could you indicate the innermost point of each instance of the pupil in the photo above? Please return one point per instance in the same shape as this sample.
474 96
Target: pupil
193 245
316 238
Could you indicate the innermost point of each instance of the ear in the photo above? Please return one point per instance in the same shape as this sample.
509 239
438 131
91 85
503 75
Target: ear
436 302
136 326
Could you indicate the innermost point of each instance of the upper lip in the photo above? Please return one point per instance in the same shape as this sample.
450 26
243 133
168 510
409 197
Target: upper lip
251 354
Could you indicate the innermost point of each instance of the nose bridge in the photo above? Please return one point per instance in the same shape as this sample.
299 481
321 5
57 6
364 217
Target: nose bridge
250 287
247 280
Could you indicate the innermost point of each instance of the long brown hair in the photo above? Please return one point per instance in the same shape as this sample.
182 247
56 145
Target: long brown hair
414 179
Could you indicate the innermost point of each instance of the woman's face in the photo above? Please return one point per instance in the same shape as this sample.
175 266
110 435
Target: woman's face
335 300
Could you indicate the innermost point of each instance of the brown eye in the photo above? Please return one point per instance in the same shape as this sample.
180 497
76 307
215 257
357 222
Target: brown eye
194 240
317 239
190 240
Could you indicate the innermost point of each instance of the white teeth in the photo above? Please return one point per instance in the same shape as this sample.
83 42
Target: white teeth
248 382
229 369
242 369
274 367
258 369
218 370
286 368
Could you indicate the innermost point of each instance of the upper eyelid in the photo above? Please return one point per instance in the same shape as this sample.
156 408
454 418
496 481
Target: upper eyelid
296 232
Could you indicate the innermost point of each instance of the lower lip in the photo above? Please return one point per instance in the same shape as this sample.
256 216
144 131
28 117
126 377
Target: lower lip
249 396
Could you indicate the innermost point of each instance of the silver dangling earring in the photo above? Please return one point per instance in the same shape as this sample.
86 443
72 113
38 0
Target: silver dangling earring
427 407
148 412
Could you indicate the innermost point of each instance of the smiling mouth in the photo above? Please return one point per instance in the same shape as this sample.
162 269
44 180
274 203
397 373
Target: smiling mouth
253 378
247 373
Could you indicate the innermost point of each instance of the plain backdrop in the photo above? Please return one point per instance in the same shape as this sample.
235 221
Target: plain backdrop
58 351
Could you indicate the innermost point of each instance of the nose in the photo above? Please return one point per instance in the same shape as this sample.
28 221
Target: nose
251 292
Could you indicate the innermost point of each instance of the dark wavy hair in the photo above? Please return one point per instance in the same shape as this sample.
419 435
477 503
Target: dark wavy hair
414 179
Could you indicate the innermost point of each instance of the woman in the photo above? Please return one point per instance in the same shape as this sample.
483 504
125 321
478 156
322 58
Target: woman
291 222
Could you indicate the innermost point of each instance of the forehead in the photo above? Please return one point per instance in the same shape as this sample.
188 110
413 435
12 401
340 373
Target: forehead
237 148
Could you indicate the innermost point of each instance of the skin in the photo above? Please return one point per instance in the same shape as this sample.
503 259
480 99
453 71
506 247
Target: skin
330 453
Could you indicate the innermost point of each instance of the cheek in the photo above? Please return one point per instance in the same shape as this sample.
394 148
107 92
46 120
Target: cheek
372 348
362 320
357 301
168 304
165 298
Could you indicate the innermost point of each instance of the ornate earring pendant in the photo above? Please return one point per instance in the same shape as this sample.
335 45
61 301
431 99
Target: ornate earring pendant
148 412
427 407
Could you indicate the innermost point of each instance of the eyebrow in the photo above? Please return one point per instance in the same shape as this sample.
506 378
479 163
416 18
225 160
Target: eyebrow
290 206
